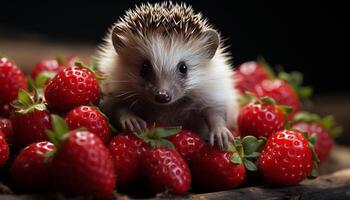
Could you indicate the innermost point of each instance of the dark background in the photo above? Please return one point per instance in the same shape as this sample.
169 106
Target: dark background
309 37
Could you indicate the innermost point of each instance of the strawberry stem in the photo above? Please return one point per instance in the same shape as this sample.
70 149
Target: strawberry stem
26 103
59 131
156 137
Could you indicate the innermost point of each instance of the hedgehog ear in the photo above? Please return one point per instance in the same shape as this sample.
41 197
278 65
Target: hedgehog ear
118 39
212 41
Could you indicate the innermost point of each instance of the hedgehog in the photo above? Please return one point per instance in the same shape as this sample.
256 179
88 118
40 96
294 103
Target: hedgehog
166 63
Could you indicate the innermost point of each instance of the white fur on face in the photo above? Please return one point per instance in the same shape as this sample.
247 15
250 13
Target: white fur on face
165 53
208 83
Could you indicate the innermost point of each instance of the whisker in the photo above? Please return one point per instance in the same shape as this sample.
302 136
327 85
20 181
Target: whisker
129 96
134 103
123 94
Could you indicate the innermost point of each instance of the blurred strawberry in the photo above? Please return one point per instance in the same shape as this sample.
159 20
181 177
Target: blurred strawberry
11 81
325 130
249 74
49 66
280 91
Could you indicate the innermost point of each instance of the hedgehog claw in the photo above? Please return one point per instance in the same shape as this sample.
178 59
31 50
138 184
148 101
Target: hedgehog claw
132 123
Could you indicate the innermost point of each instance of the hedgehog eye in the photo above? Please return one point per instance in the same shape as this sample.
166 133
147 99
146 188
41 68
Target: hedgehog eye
182 68
146 67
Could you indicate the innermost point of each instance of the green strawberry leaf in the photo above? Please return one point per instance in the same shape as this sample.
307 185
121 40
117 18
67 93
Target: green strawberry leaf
306 117
249 165
79 64
268 100
231 148
285 109
305 134
295 79
252 155
261 143
236 159
52 136
166 143
304 93
167 131
61 60
250 144
60 126
337 131
247 98
327 122
313 138
30 83
312 141
288 125
43 77
24 98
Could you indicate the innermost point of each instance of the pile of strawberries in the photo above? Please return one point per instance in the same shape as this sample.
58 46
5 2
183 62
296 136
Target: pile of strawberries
54 138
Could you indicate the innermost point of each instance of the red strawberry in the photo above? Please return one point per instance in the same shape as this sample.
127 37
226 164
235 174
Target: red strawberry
280 91
214 169
249 74
165 170
325 130
29 120
187 143
126 151
82 164
50 65
5 127
11 80
29 170
287 158
72 87
261 117
92 119
4 149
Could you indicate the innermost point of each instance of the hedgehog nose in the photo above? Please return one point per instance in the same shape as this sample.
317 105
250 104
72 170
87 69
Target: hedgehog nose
162 96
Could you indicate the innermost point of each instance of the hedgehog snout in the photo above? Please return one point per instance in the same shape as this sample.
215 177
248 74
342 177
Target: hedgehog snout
162 96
